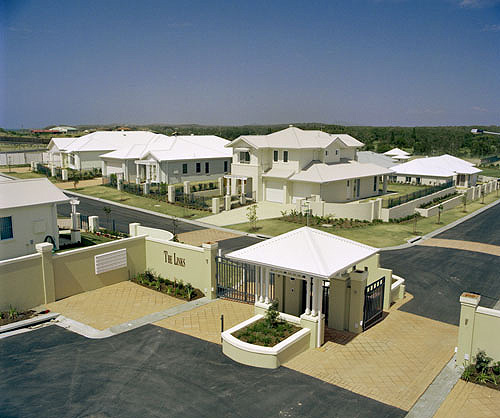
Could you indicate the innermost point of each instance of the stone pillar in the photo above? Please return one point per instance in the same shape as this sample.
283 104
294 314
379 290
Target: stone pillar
49 290
119 181
469 303
64 174
220 182
187 187
52 171
146 188
338 317
228 187
285 193
171 194
227 202
243 199
33 166
94 223
358 284
210 250
104 169
132 229
215 205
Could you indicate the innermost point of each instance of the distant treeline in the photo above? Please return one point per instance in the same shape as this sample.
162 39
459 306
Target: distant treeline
455 140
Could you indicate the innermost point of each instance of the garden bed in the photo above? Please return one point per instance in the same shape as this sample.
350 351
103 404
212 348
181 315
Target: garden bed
12 315
483 371
438 201
261 333
176 289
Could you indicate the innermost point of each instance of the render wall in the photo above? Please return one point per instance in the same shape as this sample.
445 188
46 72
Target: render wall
171 171
486 334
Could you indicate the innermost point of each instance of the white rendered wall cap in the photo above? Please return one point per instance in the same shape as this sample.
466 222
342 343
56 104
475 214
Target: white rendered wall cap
470 298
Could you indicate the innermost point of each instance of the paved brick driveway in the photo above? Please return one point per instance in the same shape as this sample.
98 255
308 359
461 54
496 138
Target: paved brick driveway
113 305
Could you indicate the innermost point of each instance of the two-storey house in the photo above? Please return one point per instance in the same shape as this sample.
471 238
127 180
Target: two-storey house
293 163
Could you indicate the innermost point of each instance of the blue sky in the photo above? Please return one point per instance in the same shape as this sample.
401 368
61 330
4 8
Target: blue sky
369 62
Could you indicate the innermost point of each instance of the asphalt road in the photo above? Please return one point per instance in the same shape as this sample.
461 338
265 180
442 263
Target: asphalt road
436 277
151 371
124 216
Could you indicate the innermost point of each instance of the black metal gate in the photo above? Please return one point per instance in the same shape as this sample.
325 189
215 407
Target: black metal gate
374 303
326 299
84 219
235 280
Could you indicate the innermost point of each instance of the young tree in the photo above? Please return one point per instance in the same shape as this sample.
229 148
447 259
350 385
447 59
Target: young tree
107 211
76 180
252 216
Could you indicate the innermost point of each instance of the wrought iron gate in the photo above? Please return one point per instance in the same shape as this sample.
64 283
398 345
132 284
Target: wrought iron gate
326 299
374 303
84 219
235 281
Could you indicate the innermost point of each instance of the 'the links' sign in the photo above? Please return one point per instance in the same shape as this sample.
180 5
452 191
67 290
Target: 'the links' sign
173 259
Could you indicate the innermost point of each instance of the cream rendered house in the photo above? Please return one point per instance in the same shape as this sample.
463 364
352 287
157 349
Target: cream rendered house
28 215
293 164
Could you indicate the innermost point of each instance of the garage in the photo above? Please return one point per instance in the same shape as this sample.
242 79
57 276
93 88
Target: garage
301 190
274 191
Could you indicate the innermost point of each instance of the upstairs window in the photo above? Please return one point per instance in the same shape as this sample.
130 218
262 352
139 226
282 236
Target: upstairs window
275 155
244 157
198 167
375 183
184 168
207 167
226 165
285 156
6 228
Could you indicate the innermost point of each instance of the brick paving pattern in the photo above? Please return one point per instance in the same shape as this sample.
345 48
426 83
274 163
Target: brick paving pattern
393 362
468 400
204 322
113 305
204 235
463 245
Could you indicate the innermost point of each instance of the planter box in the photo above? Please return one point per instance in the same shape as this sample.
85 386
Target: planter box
259 356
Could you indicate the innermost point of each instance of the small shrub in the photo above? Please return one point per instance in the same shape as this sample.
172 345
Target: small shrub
482 361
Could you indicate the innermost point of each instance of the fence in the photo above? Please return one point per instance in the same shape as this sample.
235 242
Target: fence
396 201
194 201
24 157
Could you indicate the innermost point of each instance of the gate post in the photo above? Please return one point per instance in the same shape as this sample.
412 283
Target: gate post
210 249
358 285
338 315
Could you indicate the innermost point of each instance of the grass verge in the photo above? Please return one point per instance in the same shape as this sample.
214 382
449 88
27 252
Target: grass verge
377 235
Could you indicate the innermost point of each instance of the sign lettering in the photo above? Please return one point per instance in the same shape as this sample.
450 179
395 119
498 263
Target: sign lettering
173 259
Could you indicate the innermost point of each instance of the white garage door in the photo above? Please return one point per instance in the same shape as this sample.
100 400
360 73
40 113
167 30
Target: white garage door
274 191
113 167
301 190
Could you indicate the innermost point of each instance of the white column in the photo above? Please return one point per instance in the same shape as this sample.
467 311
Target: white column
228 186
258 273
268 275
314 310
261 296
308 297
320 308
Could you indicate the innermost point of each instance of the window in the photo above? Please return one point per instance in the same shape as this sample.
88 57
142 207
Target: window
375 183
275 155
244 157
348 183
6 227
184 168
336 152
285 156
326 152
198 167
408 179
226 165
207 167
418 180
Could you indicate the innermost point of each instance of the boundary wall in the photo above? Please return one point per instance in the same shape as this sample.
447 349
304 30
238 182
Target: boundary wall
479 329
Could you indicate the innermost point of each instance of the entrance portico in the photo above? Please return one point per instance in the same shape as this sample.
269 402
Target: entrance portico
298 263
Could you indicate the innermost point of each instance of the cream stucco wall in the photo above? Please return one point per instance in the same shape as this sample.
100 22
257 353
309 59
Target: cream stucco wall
30 226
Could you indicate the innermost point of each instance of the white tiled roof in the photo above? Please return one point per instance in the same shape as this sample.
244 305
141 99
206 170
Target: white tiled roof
318 172
306 251
396 151
442 166
109 140
18 193
374 158
60 143
279 173
296 138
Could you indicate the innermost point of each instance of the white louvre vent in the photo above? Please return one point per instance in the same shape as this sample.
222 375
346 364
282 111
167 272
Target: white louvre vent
110 261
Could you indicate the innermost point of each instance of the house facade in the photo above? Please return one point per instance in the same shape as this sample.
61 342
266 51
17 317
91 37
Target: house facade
170 159
28 215
294 164
436 170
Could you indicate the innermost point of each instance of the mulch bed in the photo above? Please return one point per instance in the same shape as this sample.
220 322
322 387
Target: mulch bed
169 290
6 318
260 333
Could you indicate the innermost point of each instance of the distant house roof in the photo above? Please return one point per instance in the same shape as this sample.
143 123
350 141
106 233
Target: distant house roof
396 151
317 172
108 140
306 251
189 147
375 158
296 138
442 166
59 144
30 192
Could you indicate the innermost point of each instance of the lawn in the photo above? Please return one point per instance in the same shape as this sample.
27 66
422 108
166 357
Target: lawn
378 235
399 189
490 171
114 195
88 239
23 174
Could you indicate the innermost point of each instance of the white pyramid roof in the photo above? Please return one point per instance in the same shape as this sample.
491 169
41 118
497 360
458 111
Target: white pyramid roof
306 251
442 166
396 151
